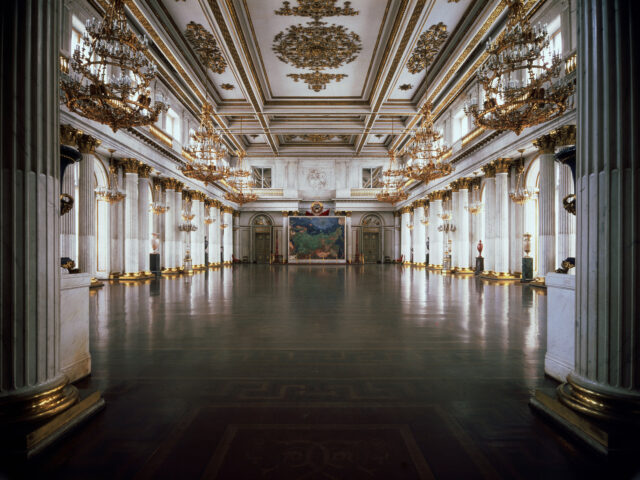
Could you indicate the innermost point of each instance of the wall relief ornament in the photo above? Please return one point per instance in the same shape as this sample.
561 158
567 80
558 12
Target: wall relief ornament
317 179
206 46
316 45
315 138
429 44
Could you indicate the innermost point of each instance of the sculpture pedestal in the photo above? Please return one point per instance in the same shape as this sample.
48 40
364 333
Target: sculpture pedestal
446 264
527 269
154 263
561 315
75 359
479 265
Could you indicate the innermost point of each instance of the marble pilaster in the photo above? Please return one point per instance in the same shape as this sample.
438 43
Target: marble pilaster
68 234
396 235
284 249
87 247
131 240
489 206
566 237
144 204
418 234
546 206
436 239
455 220
116 229
168 261
501 218
405 222
464 234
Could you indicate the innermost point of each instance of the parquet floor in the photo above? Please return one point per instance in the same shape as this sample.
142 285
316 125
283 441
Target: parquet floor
310 372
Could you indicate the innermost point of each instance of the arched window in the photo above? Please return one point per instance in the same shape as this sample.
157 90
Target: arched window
371 220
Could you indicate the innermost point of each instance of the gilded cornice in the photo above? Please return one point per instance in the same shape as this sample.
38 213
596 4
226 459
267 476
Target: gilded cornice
130 165
87 144
144 170
68 135
489 170
502 165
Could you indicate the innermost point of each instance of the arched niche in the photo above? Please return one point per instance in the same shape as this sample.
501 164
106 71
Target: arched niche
261 238
370 237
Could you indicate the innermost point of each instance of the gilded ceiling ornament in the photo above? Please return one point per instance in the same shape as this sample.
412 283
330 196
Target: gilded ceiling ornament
428 46
317 81
317 9
317 46
405 86
315 138
206 46
227 86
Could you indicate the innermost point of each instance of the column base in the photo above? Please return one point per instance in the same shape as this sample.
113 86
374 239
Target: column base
127 277
227 263
463 271
419 264
95 283
199 267
31 439
171 271
114 275
538 282
187 270
491 275
605 439
434 267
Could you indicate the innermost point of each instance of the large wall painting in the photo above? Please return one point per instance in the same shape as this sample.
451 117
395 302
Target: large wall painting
317 240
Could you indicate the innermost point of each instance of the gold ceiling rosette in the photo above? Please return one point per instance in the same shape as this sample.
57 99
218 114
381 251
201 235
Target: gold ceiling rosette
428 46
427 151
206 152
111 73
206 46
520 78
317 46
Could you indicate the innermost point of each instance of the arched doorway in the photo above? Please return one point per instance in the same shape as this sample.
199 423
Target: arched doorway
371 227
262 227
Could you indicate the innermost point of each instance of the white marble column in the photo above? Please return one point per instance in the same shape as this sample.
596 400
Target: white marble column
116 227
490 218
566 238
462 222
396 235
517 222
217 233
68 221
606 380
405 222
350 240
477 227
227 235
87 241
418 234
197 253
236 235
179 237
455 220
30 219
501 218
546 206
144 205
168 261
131 255
436 242
284 249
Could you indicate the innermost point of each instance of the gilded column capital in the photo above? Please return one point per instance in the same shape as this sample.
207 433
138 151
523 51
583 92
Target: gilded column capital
130 165
187 194
454 185
179 186
226 209
169 183
437 195
236 214
155 181
396 213
87 143
419 203
565 135
69 135
144 170
285 214
546 143
464 183
216 203
502 165
489 170
407 209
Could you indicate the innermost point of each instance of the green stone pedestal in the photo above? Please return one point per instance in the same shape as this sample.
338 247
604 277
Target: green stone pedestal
479 265
527 269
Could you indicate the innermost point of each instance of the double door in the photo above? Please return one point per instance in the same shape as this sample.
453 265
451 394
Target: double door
371 246
262 244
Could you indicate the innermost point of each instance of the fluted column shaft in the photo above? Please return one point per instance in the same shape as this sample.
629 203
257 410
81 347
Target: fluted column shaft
144 237
217 234
116 265
490 219
87 247
285 238
464 239
547 214
453 236
236 236
517 216
607 356
196 250
131 255
181 238
68 236
436 241
405 249
228 237
419 242
169 228
566 238
501 222
29 211
396 235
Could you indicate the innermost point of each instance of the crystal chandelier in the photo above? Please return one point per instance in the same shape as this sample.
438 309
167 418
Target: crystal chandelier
519 79
475 205
207 151
111 73
111 193
241 183
208 219
187 225
392 183
446 217
427 151
520 194
158 207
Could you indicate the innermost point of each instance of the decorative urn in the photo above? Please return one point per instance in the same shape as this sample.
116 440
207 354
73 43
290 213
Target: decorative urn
526 243
155 242
480 247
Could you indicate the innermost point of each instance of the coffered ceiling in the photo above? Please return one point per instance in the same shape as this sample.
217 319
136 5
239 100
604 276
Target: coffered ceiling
310 77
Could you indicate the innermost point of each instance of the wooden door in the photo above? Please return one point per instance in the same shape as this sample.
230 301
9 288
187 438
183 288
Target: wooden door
262 242
371 246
